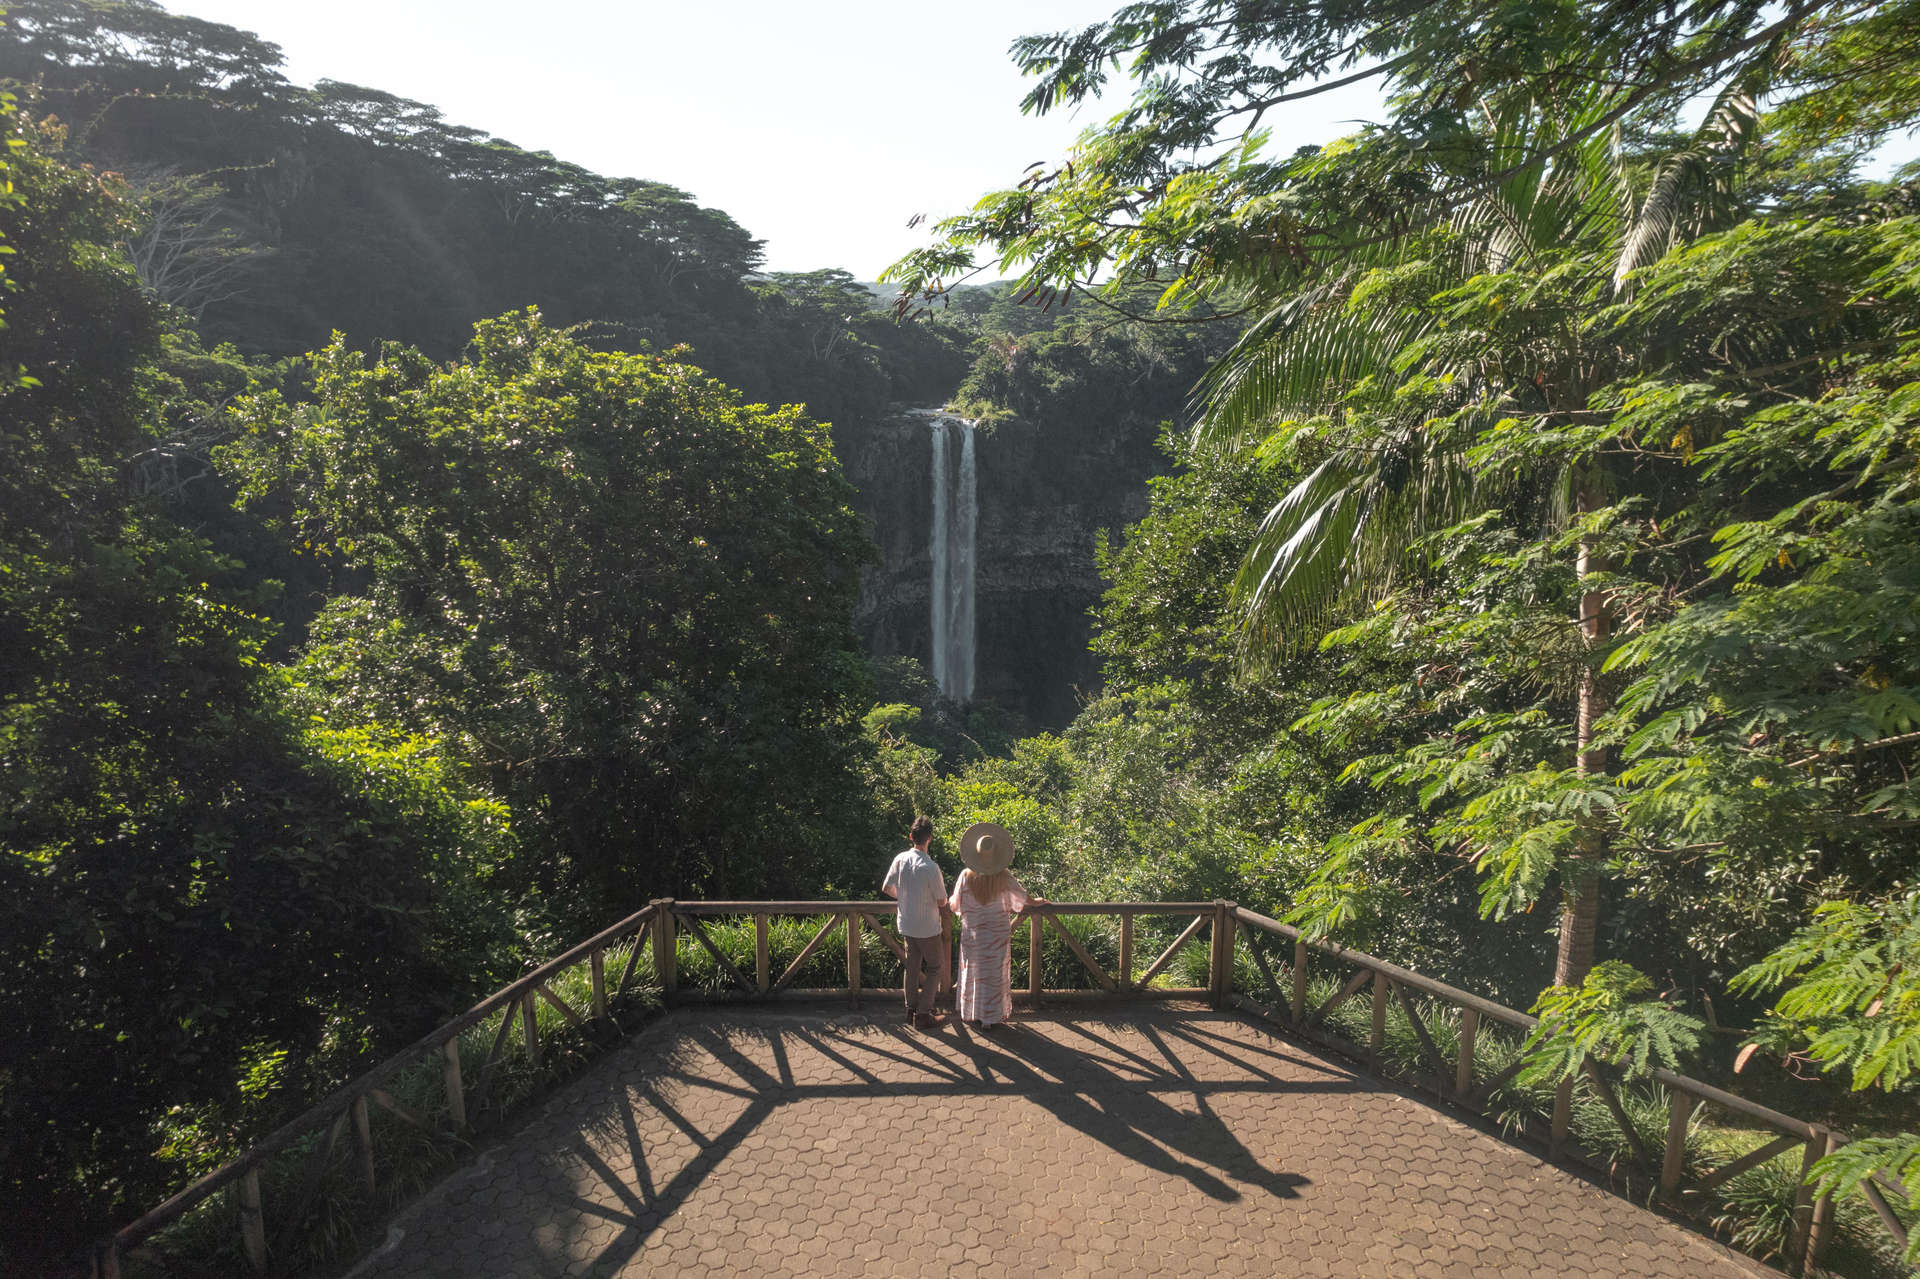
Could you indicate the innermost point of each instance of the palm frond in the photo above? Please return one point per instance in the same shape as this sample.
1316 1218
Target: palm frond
1330 353
1297 362
1685 183
1341 537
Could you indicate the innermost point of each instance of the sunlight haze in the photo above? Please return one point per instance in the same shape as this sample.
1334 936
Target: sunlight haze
822 129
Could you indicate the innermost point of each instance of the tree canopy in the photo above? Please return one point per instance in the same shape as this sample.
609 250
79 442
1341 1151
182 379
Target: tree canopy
1589 369
615 589
1177 188
201 885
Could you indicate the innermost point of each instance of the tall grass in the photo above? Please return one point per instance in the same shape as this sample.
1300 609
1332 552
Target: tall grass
787 936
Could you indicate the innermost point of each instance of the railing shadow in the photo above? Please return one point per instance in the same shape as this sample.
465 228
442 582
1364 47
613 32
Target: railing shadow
650 1139
1137 1122
308 1188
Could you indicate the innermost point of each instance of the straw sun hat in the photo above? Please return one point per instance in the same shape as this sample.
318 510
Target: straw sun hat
986 849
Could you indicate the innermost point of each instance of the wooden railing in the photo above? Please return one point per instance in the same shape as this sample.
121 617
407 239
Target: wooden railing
658 932
349 1108
665 927
1454 1081
855 919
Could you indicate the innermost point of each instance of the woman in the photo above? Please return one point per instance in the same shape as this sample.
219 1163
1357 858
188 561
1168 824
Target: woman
987 897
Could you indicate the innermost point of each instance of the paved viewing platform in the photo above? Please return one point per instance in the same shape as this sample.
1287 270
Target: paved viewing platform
1162 1140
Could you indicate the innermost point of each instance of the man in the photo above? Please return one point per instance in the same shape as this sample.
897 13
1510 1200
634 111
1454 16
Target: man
917 884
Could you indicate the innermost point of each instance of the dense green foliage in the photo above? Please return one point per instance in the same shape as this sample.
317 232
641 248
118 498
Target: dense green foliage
1593 427
206 894
492 649
1852 1006
1543 567
617 592
1609 1017
1177 189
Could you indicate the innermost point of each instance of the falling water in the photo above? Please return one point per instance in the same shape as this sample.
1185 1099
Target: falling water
942 570
956 508
965 515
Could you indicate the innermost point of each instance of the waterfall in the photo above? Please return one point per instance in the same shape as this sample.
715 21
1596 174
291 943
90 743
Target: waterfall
942 567
956 509
960 618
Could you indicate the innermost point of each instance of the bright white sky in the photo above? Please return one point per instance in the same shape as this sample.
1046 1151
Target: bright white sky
820 127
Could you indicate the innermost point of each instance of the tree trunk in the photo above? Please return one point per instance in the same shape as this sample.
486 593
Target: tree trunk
1579 924
1580 909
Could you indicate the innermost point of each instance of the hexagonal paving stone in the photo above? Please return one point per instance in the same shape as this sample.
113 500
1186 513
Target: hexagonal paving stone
1162 1140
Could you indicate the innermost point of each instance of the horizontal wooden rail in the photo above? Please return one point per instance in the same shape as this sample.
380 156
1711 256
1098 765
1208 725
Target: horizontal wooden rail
1812 1218
1486 1008
354 1094
842 907
663 925
781 908
1787 1125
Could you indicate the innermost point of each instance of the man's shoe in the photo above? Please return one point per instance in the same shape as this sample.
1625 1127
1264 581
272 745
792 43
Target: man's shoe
926 1021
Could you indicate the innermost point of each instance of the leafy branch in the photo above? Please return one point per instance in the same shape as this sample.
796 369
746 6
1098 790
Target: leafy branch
1607 1017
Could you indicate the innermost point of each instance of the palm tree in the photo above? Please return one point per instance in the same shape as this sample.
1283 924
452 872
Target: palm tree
1339 349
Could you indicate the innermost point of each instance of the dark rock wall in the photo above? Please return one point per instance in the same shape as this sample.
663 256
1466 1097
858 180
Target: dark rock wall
1045 493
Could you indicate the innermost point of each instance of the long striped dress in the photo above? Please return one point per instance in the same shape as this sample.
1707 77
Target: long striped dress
984 992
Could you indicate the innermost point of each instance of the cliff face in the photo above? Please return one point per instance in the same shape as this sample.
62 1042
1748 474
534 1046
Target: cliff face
1044 495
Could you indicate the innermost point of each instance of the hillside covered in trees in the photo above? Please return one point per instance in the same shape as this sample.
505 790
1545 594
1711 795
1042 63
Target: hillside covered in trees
275 214
1529 595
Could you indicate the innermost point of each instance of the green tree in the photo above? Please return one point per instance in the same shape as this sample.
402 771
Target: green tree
1425 288
616 590
1705 820
194 878
1341 369
139 44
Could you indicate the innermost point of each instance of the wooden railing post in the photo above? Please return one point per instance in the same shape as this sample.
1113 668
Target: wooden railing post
762 955
1674 1163
1224 923
363 1140
949 960
666 967
1213 957
1299 983
455 1086
1035 974
1802 1216
597 969
530 1026
1377 1041
1125 975
253 1222
1463 1064
853 957
1820 1230
1562 1117
1812 1218
106 1260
